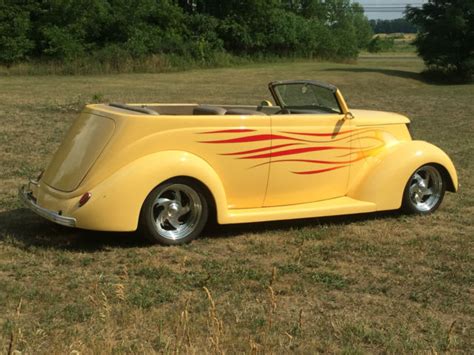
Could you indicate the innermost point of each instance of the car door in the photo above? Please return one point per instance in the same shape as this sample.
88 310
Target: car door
310 159
311 145
226 143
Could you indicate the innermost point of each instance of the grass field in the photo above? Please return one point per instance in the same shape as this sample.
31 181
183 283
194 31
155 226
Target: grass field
372 283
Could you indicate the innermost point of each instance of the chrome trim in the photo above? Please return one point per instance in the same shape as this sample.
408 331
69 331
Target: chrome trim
27 199
176 211
426 188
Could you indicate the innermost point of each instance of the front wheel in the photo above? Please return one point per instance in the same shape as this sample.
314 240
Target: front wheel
424 191
174 213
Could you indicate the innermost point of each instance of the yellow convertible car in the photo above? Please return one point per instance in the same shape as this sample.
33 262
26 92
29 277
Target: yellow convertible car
167 168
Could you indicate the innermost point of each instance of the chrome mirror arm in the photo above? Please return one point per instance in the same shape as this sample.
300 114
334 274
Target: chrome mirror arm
349 116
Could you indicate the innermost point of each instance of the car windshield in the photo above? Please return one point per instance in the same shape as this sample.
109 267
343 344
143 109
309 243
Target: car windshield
306 96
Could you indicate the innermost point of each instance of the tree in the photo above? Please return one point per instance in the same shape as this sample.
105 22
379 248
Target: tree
14 32
362 26
340 21
445 39
118 31
314 9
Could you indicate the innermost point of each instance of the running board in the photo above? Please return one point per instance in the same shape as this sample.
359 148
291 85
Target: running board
333 207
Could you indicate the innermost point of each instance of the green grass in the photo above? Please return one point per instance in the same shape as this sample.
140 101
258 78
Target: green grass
373 283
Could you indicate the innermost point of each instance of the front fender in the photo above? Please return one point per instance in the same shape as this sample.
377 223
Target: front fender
385 176
116 202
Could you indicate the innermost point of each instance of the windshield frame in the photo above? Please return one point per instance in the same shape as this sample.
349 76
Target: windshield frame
273 85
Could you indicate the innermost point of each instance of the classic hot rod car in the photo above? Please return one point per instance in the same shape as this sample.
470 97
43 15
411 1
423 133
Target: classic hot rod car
167 168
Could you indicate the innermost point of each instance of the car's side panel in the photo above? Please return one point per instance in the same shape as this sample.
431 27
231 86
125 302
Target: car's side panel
332 207
383 176
116 202
222 141
313 167
370 144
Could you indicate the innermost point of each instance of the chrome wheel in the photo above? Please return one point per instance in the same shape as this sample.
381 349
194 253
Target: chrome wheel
176 211
426 189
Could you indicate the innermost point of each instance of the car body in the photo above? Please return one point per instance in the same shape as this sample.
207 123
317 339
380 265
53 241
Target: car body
169 167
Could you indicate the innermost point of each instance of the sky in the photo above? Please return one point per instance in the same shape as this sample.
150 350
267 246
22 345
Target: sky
387 9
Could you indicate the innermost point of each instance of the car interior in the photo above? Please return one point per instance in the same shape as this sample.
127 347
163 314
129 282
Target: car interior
291 97
197 110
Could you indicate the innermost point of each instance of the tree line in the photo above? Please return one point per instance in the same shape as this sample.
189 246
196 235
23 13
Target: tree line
399 25
65 30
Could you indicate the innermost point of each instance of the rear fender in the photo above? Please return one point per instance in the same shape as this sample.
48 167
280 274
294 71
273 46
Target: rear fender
116 202
385 176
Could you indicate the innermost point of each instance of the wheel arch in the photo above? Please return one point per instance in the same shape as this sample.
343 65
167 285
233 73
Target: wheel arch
384 177
446 177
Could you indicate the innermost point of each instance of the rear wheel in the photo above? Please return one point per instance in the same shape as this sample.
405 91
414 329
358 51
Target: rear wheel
424 191
175 212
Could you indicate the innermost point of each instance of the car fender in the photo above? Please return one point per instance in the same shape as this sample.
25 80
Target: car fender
116 202
385 175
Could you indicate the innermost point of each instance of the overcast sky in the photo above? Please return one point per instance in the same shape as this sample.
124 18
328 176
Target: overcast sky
387 9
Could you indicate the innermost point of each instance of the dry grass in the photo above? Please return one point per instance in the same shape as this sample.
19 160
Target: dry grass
375 283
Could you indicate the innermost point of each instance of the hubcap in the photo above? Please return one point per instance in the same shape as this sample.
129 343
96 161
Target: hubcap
425 189
176 211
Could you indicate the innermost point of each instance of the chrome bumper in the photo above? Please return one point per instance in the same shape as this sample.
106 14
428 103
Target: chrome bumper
29 201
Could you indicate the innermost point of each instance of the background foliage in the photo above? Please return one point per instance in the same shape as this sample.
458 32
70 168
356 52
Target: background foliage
445 39
114 31
399 25
379 44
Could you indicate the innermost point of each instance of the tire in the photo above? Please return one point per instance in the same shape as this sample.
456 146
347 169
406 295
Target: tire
424 191
175 212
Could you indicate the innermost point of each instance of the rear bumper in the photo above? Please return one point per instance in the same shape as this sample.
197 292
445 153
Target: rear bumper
26 197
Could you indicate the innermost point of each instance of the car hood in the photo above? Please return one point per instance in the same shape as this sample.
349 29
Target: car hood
375 118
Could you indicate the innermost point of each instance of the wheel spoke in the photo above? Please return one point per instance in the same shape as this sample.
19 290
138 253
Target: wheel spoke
174 223
183 211
427 180
427 192
418 178
413 190
164 202
177 196
160 221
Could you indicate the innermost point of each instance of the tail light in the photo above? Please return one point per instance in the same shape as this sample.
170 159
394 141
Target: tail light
86 197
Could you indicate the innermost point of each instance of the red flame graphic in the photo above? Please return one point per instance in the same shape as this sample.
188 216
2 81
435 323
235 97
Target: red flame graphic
273 151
